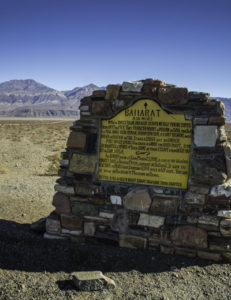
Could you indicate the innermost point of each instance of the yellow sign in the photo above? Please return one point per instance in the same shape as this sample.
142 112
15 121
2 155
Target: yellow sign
144 144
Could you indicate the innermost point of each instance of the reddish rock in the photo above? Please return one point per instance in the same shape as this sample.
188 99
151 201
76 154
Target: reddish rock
61 203
189 236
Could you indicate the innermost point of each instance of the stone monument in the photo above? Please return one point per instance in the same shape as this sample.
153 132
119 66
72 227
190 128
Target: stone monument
148 165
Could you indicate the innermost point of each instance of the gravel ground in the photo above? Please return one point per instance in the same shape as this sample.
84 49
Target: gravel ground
34 268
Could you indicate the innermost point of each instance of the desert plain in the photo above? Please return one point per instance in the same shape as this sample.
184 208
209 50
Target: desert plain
32 267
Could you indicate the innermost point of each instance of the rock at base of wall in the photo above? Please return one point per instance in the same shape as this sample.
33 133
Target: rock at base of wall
92 281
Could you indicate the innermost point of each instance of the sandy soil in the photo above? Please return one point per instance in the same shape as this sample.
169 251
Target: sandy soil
34 268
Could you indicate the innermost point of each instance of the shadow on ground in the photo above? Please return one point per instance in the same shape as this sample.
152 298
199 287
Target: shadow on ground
22 249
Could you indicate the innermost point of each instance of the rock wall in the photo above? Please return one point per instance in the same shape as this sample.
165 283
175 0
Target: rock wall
192 221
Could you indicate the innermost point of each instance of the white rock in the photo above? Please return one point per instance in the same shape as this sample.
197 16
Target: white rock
151 220
64 189
224 213
107 215
221 190
116 200
205 136
132 86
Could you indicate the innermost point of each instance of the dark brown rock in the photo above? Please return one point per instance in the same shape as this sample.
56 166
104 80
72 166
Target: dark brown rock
76 140
102 108
71 222
217 120
62 203
189 236
171 96
112 91
149 90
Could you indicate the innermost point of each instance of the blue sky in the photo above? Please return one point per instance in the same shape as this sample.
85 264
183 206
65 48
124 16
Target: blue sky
69 43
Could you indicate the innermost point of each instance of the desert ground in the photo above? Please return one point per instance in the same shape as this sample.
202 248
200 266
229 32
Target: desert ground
34 268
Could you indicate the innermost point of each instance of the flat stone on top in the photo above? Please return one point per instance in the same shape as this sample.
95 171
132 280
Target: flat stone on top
132 86
92 281
205 136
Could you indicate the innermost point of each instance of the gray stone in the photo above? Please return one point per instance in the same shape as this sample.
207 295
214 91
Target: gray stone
185 252
205 136
84 208
53 226
132 86
199 189
198 96
138 199
69 190
225 227
151 221
206 172
64 162
165 205
208 222
193 198
92 281
119 221
209 255
89 229
200 121
227 150
54 237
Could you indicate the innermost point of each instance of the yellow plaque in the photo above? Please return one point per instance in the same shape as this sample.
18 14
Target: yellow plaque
144 144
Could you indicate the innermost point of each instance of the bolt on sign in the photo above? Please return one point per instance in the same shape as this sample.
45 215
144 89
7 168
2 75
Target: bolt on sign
143 144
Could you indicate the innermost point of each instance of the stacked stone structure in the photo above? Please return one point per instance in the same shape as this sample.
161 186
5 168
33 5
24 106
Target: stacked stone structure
194 220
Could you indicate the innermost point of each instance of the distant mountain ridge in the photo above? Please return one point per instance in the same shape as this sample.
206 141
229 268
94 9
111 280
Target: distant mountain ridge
29 98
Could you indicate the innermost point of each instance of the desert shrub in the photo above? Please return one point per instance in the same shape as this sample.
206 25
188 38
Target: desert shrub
4 171
53 167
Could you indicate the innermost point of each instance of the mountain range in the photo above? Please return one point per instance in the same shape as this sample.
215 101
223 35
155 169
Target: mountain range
28 98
